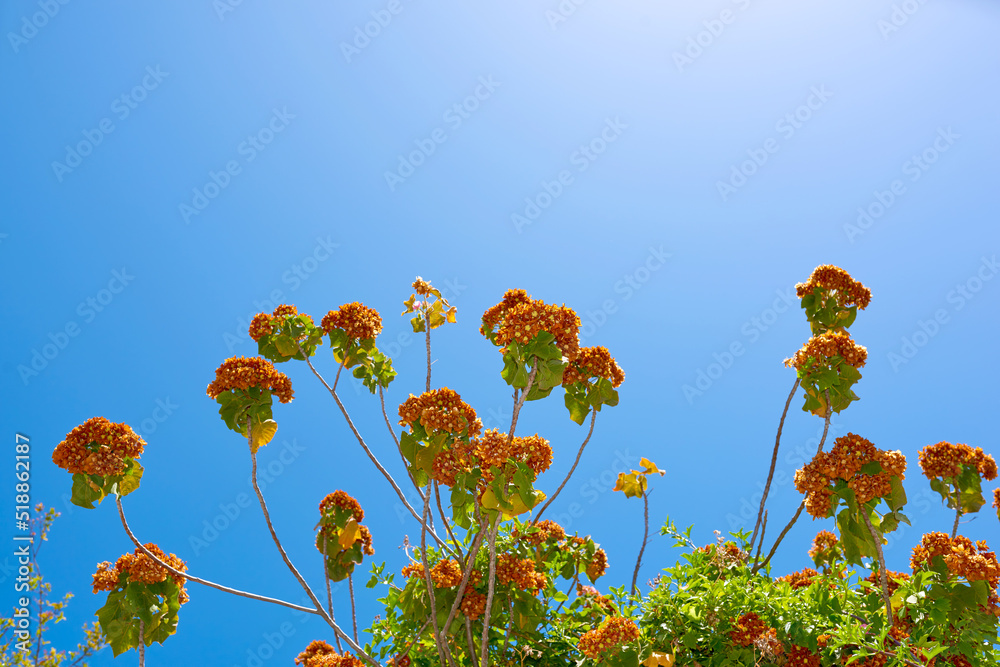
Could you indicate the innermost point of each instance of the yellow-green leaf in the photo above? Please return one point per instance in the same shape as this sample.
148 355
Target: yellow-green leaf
659 660
261 434
349 534
650 467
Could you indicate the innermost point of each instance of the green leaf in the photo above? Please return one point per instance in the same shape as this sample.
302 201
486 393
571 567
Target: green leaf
578 410
130 479
87 489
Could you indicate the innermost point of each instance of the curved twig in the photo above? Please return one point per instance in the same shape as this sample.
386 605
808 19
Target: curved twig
593 418
881 566
774 547
645 538
774 460
519 402
429 582
491 589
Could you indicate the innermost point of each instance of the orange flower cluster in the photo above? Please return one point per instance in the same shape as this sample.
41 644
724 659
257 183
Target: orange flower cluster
593 362
262 324
241 373
849 292
520 572
440 410
492 449
446 574
996 501
801 579
590 594
975 562
140 568
473 604
547 531
354 319
946 460
612 634
342 500
824 543
321 654
818 349
114 443
849 454
450 463
519 318
725 554
422 287
598 565
748 629
893 579
799 656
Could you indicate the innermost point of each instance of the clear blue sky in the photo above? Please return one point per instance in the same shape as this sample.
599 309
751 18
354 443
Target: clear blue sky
674 169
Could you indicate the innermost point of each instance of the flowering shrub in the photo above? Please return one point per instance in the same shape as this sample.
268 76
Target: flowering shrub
492 583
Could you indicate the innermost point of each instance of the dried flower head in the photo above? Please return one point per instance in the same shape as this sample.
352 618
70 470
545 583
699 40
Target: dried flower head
593 362
440 410
354 319
344 501
241 373
946 460
818 350
846 290
975 562
140 568
98 447
422 287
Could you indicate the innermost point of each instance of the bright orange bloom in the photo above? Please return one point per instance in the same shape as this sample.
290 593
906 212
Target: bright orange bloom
823 542
598 565
975 562
356 320
98 447
593 362
440 410
140 568
422 287
846 290
799 656
519 318
341 499
611 635
241 373
321 654
946 460
747 629
473 604
520 572
818 349
547 531
801 579
492 449
893 579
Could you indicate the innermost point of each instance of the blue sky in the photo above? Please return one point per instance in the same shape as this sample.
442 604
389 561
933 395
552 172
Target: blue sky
670 170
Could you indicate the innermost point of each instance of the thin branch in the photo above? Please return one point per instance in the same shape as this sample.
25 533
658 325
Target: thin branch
427 328
484 645
361 441
329 593
774 547
414 640
774 460
468 638
518 402
469 565
763 527
142 643
877 539
318 609
593 418
429 582
645 538
958 515
826 423
444 520
354 612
